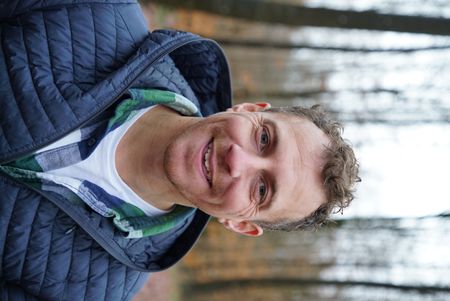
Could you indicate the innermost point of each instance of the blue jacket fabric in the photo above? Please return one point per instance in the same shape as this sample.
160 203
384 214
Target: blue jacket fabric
65 64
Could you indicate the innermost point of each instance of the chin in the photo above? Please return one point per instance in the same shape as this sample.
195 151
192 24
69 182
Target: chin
177 174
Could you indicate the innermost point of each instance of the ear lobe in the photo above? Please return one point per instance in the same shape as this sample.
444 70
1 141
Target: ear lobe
250 107
243 227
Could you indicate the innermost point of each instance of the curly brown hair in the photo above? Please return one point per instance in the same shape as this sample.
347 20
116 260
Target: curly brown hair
339 173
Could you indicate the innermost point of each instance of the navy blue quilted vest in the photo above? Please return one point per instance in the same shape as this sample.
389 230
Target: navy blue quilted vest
62 64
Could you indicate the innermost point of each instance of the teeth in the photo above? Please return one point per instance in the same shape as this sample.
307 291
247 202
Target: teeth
206 161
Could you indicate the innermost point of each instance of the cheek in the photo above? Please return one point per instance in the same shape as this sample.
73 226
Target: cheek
234 203
236 198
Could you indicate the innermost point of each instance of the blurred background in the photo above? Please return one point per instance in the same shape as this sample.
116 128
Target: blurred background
383 68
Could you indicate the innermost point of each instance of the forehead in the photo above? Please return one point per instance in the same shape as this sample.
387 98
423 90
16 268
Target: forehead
299 161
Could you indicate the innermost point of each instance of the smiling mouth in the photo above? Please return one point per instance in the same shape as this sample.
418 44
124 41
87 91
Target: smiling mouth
207 163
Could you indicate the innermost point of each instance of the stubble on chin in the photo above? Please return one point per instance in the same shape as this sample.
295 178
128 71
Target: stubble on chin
173 172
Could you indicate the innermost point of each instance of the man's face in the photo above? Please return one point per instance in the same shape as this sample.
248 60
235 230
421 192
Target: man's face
248 166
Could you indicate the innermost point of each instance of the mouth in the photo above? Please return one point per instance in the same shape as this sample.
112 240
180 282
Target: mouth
206 162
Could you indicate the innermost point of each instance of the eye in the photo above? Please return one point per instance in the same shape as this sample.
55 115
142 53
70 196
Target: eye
263 138
262 190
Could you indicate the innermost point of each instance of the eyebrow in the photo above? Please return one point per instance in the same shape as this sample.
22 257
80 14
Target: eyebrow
275 145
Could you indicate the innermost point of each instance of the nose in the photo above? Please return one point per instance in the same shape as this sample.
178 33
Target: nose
239 161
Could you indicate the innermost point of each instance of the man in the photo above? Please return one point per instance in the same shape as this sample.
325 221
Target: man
246 166
108 171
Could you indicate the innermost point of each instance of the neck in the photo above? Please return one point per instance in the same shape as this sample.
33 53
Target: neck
140 156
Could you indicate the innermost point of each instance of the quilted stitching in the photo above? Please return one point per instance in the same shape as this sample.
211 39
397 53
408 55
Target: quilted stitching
6 213
9 80
40 249
34 73
204 71
57 86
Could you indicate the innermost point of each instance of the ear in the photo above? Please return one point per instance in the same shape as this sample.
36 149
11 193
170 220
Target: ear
243 227
249 107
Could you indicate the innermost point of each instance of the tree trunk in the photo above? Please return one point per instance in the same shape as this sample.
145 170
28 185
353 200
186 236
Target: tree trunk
295 15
